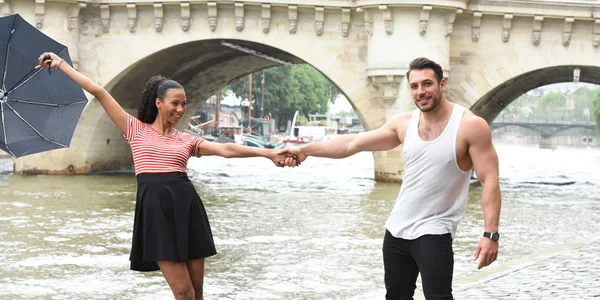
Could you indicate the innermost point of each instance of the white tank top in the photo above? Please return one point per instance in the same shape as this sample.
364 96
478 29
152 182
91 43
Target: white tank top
433 195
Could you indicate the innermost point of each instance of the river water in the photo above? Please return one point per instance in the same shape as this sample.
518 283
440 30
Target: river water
313 232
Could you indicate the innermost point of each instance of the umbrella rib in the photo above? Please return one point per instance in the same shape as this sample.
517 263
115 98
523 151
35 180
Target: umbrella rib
45 104
6 57
5 67
36 131
25 79
4 129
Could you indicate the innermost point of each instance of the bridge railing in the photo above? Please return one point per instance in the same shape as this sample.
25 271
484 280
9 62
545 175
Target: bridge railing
544 122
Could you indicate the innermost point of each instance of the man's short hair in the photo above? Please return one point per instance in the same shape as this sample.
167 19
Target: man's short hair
422 63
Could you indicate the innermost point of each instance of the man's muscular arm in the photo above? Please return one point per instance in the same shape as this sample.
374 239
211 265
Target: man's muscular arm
485 162
384 138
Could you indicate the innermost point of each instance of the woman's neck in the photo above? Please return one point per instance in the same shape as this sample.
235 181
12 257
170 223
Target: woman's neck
162 127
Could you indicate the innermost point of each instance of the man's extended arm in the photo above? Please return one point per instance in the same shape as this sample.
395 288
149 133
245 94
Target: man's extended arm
381 139
485 162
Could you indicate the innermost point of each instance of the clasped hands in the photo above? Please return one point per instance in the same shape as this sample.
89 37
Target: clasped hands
288 157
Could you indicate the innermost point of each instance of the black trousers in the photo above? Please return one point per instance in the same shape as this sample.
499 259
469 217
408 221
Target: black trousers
431 255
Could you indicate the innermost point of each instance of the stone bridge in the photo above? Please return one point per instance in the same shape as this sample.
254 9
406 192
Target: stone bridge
491 51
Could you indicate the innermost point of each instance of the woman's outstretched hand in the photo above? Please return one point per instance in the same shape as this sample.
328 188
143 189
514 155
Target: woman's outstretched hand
44 62
283 160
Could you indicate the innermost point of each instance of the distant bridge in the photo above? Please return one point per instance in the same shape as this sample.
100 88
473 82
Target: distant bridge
546 128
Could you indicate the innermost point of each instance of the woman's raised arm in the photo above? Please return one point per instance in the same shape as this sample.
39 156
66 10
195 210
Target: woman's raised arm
116 113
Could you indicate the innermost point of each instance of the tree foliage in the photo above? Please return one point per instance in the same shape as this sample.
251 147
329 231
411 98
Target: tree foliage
553 100
287 89
596 112
583 101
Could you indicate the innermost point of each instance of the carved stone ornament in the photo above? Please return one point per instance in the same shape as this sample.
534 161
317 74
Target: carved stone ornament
105 17
596 40
158 16
388 21
424 19
131 17
389 27
566 39
346 16
131 24
212 23
506 27
265 14
158 24
505 35
319 27
567 29
422 27
105 25
450 21
266 25
73 13
319 19
537 30
369 28
185 16
185 24
293 26
475 26
345 29
449 29
475 32
239 16
239 23
537 37
73 22
39 21
40 11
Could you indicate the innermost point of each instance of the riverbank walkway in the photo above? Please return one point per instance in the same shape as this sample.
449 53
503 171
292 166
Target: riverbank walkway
567 271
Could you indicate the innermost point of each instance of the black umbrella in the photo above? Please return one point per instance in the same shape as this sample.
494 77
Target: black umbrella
38 109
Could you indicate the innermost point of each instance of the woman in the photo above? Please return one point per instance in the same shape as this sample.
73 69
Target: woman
171 231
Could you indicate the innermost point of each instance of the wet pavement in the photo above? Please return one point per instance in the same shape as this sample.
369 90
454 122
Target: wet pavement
567 271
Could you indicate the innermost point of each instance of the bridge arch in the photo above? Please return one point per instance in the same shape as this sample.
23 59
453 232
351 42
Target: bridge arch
493 102
202 67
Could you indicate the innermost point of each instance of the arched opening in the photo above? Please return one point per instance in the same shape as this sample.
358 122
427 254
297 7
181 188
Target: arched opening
495 101
203 67
186 63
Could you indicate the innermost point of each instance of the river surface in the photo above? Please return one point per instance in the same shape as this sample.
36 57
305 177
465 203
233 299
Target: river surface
313 232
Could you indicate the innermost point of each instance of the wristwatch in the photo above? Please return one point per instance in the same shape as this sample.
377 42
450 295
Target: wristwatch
492 235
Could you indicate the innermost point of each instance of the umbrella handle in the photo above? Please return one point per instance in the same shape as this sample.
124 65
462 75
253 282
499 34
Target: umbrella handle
47 57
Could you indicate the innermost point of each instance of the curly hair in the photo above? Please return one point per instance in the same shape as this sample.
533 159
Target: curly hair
156 87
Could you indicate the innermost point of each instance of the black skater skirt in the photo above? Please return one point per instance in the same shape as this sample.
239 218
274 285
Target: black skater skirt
170 222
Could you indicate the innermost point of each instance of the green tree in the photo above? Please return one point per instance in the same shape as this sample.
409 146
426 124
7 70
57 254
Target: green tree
552 105
287 89
583 99
596 111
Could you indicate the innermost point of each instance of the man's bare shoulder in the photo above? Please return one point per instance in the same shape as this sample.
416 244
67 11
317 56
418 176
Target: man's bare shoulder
402 117
473 125
400 120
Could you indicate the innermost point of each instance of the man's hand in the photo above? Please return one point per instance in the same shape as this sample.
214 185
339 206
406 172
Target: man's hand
293 156
283 160
488 249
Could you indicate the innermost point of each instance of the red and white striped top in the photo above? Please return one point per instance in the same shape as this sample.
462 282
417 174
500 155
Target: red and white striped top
155 153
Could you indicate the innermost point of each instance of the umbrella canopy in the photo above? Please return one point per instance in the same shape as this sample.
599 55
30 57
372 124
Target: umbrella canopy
38 110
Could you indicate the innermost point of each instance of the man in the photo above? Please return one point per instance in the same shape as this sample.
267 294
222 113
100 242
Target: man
442 143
